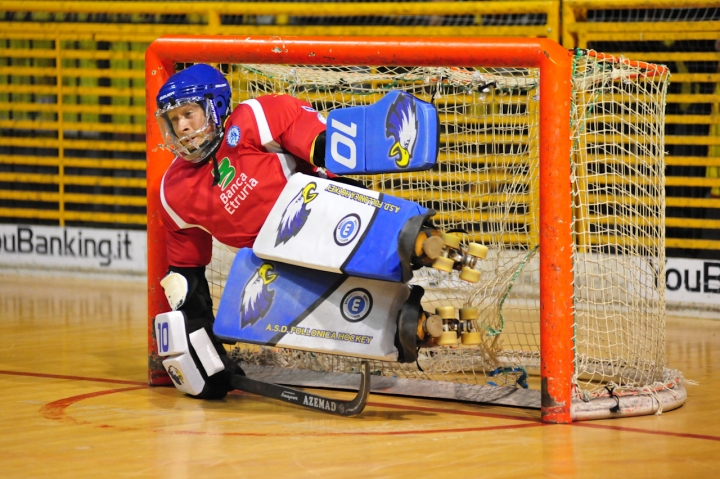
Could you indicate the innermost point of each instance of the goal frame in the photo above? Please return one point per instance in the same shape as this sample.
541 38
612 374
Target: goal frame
555 236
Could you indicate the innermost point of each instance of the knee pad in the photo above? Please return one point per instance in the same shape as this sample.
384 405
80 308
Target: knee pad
190 359
176 289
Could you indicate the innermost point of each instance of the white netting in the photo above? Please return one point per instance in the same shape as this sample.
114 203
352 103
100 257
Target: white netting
618 139
486 184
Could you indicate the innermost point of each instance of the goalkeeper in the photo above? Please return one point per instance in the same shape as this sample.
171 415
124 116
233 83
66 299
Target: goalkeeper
229 170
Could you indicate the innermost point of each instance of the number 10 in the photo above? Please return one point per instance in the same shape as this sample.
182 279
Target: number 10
163 337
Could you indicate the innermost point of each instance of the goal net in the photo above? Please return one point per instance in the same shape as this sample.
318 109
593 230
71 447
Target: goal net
487 187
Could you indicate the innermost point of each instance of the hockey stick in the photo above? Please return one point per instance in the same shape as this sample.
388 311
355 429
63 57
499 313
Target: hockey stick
311 401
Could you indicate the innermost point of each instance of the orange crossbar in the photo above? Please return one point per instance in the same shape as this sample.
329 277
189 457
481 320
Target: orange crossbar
652 69
556 244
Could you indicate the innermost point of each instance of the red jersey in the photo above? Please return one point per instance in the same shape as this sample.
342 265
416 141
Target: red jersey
266 140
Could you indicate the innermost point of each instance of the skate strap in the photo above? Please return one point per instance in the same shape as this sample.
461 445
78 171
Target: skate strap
407 324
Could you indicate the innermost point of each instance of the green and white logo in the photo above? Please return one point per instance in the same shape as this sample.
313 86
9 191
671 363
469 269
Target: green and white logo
227 173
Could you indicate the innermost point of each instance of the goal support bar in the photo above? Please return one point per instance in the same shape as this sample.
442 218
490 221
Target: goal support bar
556 240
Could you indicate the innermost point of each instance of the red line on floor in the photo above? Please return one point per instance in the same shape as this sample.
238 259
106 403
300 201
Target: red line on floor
375 404
72 378
456 412
355 433
56 411
647 431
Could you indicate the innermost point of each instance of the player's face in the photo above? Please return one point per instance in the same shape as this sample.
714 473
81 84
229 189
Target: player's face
187 119
188 129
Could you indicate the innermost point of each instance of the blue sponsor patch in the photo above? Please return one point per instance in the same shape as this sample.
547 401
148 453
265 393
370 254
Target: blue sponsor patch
233 136
308 108
347 229
356 305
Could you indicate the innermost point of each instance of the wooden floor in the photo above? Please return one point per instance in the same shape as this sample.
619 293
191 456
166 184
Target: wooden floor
74 402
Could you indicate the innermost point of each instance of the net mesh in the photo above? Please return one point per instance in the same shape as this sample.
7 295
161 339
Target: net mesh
485 185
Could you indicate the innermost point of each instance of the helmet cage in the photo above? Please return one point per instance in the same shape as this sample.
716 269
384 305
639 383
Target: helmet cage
195 146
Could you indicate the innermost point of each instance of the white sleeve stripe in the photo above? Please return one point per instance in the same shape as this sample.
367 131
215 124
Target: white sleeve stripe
175 217
178 221
287 161
288 164
266 137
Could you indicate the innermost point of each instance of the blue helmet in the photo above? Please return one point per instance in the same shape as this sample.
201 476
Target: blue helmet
202 85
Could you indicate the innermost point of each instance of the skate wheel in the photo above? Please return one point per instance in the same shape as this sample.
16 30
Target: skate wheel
433 326
470 339
469 314
470 275
451 240
443 264
432 247
477 250
445 312
448 338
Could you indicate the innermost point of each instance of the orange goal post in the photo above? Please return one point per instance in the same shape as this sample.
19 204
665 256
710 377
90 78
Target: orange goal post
551 157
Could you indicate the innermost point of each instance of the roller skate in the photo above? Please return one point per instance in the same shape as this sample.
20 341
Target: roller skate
459 327
429 329
443 252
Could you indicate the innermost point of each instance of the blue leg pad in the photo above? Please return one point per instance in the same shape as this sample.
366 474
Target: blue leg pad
398 133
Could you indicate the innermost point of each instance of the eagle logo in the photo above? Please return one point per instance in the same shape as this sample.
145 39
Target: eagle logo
401 125
257 297
296 214
175 374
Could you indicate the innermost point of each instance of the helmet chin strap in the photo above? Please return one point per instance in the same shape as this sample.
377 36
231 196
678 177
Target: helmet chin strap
216 170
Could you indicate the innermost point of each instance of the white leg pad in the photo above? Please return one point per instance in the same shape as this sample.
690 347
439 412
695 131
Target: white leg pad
170 333
184 374
206 352
176 288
